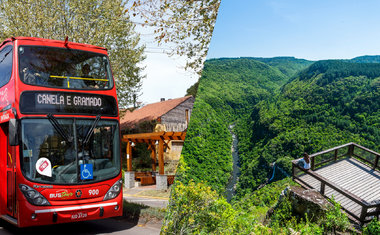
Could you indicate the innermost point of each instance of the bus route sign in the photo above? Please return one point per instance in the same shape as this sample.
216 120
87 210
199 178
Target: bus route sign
36 102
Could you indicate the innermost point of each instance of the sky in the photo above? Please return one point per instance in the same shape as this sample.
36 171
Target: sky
308 29
165 75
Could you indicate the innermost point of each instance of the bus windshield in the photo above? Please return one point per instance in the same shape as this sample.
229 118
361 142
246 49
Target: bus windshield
90 154
64 68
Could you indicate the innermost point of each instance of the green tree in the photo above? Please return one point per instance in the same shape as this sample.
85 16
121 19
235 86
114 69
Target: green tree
372 228
186 26
99 22
193 89
197 209
335 219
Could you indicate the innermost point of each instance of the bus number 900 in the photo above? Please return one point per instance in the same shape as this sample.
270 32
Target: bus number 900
92 192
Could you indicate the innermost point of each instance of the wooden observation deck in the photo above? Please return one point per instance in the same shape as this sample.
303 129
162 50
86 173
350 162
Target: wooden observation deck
350 173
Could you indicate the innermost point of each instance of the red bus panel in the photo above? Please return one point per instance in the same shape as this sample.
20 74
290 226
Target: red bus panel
60 159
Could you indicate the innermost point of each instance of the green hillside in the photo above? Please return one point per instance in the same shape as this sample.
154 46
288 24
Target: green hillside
366 59
228 93
327 104
280 107
287 65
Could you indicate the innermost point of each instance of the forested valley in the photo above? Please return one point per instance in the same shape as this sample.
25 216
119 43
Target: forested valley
280 107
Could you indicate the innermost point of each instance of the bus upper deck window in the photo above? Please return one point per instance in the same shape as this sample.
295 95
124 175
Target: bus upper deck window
64 68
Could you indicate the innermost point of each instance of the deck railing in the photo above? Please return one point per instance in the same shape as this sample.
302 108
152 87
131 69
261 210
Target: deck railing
367 156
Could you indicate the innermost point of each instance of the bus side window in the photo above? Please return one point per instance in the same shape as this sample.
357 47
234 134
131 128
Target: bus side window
5 65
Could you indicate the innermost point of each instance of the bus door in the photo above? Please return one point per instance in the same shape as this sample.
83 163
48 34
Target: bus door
11 176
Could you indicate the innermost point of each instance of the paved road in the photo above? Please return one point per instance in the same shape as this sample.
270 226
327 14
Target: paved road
105 226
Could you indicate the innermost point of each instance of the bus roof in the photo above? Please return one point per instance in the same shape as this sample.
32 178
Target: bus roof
51 41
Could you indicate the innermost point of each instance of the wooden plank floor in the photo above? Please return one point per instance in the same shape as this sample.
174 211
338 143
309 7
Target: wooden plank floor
352 175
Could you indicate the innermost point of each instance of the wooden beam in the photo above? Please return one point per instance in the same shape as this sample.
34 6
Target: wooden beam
155 136
166 144
152 135
330 150
365 149
161 170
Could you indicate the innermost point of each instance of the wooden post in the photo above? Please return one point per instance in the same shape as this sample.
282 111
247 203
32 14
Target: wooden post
350 150
187 117
363 214
293 171
336 155
323 185
376 161
153 156
312 159
161 157
129 156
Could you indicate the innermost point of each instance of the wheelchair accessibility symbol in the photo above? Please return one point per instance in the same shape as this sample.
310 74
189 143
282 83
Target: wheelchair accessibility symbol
86 172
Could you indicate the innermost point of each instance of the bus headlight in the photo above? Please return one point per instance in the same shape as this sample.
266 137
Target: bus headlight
114 190
33 196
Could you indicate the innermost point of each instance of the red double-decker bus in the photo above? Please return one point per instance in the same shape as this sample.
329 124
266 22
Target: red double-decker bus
59 133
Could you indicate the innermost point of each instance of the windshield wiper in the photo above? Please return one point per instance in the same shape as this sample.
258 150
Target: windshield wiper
59 128
91 130
5 56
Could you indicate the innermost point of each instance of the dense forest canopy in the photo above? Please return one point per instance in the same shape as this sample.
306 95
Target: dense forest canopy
228 93
282 107
278 108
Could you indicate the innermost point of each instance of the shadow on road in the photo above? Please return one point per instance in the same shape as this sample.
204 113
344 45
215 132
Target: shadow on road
132 212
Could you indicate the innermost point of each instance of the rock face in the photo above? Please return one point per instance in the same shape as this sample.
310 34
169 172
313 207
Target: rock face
303 201
310 202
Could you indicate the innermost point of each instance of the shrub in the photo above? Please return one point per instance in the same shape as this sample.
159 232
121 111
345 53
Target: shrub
196 208
335 219
372 228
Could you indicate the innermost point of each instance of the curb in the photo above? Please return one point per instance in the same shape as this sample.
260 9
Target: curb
150 197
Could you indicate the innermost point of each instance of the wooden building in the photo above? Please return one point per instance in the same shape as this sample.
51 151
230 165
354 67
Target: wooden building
170 115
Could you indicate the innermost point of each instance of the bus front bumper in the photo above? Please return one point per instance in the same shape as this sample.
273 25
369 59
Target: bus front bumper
72 213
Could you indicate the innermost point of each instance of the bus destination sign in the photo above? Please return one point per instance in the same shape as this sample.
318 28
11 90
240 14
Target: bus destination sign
67 100
38 102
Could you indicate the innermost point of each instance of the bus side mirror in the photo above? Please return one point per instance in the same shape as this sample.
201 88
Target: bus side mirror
13 132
